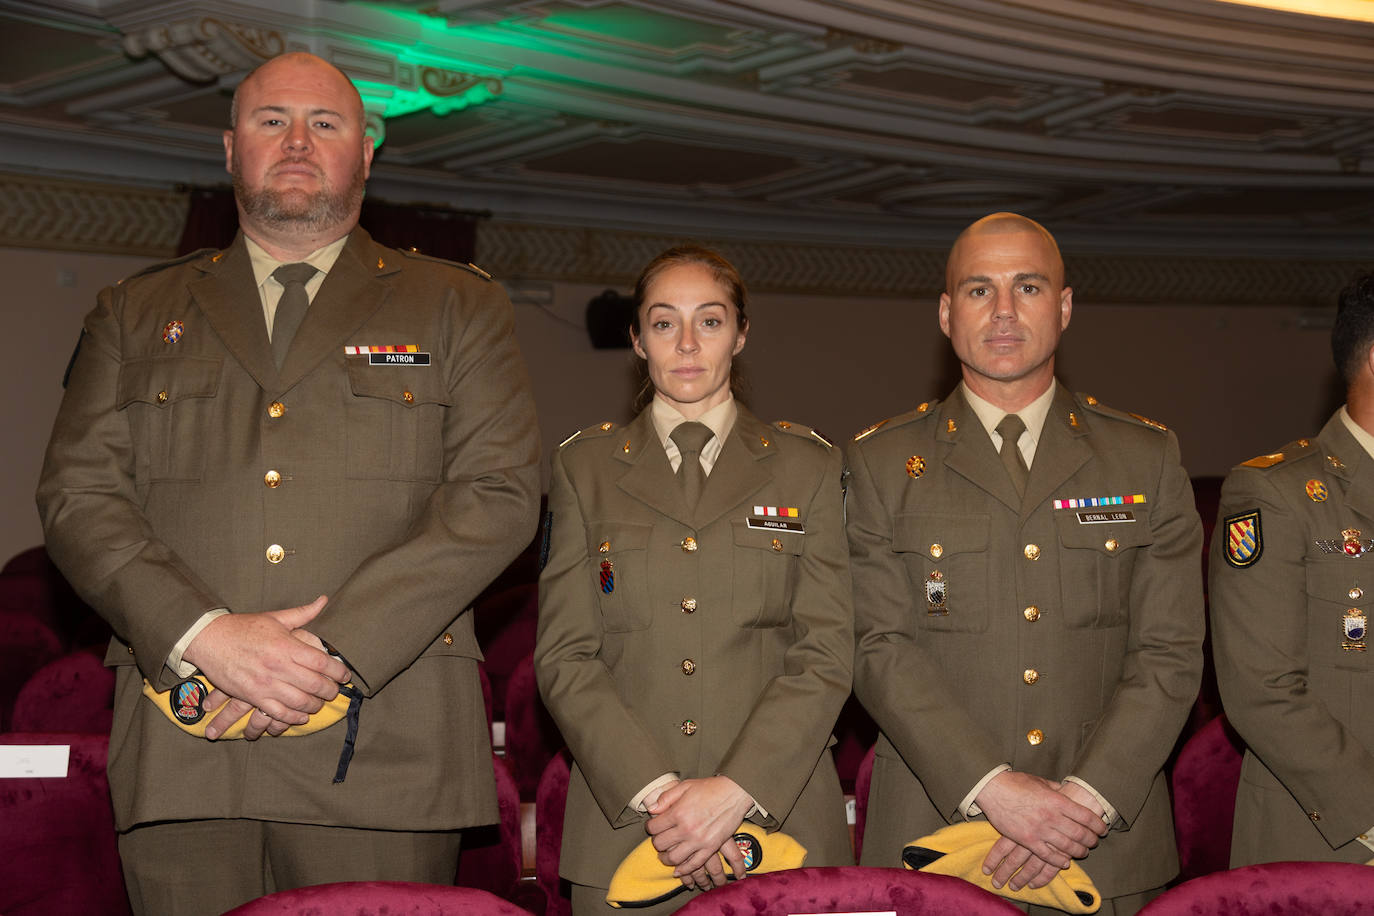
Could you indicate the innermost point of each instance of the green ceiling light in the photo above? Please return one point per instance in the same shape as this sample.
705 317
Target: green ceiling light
441 91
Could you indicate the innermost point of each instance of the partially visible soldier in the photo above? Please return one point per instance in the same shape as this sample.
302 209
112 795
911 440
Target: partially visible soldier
1027 596
240 439
1291 594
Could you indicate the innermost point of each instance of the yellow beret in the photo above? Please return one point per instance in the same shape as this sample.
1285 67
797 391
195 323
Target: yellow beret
184 705
959 850
643 880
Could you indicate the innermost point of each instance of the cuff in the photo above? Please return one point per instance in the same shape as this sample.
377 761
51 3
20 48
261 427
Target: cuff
1110 815
637 803
174 662
968 807
1367 838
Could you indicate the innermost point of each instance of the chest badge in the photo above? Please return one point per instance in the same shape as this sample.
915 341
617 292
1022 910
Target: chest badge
607 576
1354 624
1316 491
915 466
173 331
937 595
1351 544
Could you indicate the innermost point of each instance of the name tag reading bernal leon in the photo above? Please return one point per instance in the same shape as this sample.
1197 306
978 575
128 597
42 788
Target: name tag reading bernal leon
1104 518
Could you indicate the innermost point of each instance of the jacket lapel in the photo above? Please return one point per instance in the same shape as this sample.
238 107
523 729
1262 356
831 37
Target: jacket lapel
227 296
349 296
1060 452
970 453
740 471
648 476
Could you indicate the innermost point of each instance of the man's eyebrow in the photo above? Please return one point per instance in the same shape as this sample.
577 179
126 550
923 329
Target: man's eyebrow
977 278
281 109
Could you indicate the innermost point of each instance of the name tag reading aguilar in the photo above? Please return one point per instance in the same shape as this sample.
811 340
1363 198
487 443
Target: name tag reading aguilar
776 518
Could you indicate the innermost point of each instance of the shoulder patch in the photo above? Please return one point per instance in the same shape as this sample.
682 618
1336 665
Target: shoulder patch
594 431
924 409
471 268
1244 540
163 265
1098 407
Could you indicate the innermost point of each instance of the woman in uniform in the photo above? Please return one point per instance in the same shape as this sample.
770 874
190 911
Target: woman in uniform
695 624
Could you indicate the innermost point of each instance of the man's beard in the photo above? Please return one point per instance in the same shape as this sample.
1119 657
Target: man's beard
315 210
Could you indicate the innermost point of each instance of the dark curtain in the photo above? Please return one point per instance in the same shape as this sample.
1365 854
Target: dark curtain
440 232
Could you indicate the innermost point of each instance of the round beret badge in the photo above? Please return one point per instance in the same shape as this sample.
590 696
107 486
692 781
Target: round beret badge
750 849
188 701
173 331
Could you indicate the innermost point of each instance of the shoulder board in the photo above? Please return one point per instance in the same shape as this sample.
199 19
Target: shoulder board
163 265
805 432
924 409
1298 448
469 267
1097 406
600 429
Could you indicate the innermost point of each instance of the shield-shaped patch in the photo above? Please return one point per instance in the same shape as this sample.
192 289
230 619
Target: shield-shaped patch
1244 541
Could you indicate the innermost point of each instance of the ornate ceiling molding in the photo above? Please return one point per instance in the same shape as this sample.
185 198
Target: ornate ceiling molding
205 48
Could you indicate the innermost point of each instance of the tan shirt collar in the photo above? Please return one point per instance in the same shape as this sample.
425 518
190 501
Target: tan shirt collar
1033 415
720 419
269 290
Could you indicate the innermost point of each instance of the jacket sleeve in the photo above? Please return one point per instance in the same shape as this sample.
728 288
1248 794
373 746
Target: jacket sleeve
474 523
896 679
1265 665
1162 667
93 525
789 726
614 750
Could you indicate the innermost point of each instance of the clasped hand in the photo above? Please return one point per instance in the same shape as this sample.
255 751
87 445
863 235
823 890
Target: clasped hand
1044 825
693 822
266 663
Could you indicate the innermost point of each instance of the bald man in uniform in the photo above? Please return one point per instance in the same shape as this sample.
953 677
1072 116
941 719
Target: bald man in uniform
240 439
1027 596
1291 596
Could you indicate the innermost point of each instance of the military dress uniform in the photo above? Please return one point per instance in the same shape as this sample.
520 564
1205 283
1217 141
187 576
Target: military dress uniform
1291 590
699 642
186 472
1059 633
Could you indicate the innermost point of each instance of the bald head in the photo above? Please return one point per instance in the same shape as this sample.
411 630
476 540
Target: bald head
989 228
298 59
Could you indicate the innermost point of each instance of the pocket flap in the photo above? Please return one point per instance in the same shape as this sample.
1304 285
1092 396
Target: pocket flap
788 542
916 532
1096 536
164 380
617 537
406 386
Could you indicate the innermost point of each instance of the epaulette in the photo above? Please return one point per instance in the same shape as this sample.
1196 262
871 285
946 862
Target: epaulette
924 409
469 266
805 432
1097 406
1296 449
163 265
600 429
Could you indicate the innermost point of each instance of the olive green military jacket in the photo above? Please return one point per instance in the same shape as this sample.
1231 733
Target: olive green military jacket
401 491
1062 640
714 641
1290 586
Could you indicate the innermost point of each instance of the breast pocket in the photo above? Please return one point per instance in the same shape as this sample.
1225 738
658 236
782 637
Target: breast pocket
169 402
946 557
765 574
619 557
1332 626
395 418
1096 563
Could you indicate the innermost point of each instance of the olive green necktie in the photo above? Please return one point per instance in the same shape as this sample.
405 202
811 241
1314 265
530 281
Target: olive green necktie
690 438
1010 429
291 307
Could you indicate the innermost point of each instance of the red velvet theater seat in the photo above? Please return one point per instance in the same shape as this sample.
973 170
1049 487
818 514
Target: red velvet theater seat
532 738
548 819
58 851
848 889
74 693
1203 786
1275 889
373 898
